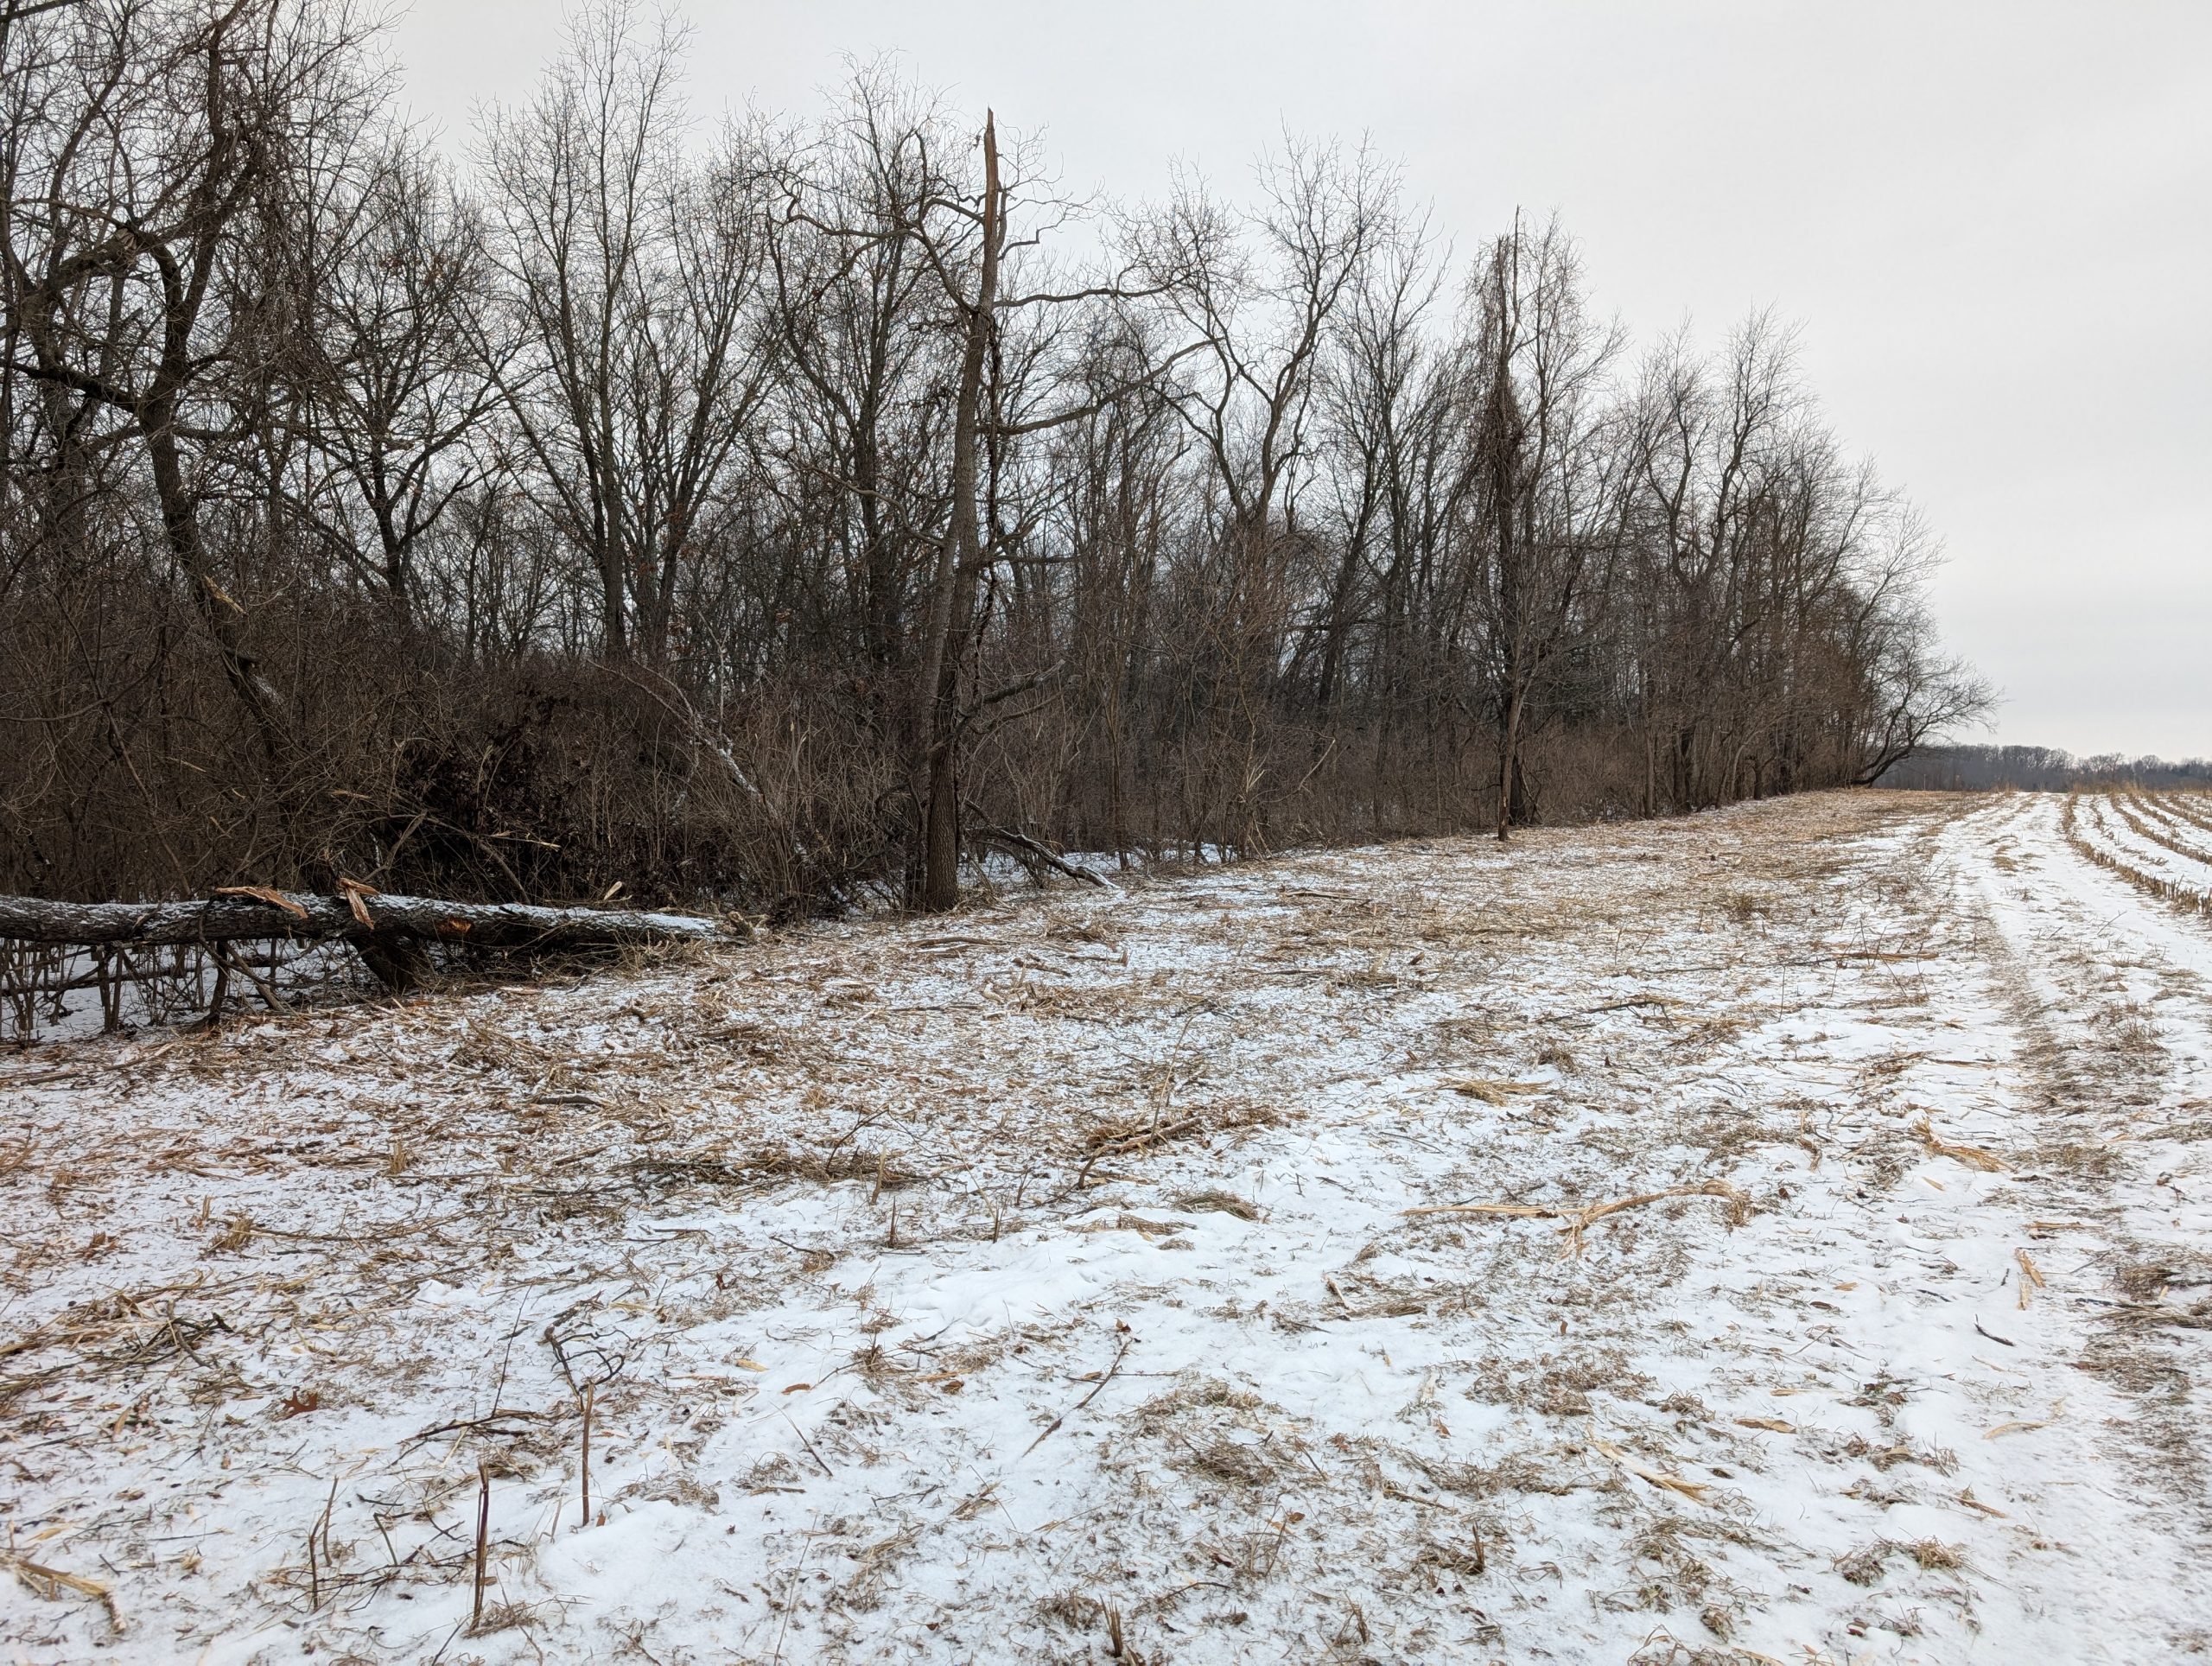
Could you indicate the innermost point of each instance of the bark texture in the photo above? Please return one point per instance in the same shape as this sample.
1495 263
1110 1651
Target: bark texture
359 918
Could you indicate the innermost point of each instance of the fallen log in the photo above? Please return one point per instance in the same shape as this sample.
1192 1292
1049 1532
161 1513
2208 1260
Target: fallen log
1022 845
361 916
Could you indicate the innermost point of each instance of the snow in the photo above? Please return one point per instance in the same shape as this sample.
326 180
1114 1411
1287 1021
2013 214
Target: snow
2161 846
1000 1285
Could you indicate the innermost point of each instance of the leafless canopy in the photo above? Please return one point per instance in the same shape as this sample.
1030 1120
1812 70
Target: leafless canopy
759 509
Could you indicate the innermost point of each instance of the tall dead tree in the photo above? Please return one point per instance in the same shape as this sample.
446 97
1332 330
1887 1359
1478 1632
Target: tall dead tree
1542 518
960 558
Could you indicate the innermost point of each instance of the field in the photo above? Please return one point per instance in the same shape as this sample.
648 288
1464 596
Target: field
1784 1233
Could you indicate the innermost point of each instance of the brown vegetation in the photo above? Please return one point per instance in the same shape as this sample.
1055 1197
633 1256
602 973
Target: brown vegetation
757 515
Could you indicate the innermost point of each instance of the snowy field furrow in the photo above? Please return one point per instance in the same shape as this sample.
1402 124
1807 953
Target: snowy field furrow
2142 842
2189 812
1781 1234
2176 824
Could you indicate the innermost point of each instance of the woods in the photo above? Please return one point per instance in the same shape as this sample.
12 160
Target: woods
754 510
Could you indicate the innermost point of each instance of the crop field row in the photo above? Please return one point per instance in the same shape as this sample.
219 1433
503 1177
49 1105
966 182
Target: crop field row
2160 843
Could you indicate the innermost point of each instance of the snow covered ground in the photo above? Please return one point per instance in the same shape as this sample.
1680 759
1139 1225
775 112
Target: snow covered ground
1216 1270
2162 846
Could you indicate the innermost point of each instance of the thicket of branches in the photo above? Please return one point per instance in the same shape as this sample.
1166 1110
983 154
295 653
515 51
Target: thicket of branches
757 509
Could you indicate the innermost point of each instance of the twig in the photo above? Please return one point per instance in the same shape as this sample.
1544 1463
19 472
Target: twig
1610 1006
809 1445
1127 1338
1578 1220
584 1469
485 1421
483 1539
1131 1143
265 987
791 1600
328 1505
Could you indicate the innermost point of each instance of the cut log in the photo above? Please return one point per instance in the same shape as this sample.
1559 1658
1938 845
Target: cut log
360 916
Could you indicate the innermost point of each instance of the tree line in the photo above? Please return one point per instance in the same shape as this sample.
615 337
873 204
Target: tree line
764 509
2040 769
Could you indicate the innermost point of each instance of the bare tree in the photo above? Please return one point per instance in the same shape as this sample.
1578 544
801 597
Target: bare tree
758 511
394 372
635 272
153 168
1262 299
1542 504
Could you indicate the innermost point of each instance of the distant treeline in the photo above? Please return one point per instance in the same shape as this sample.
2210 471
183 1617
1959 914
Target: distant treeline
2037 769
754 511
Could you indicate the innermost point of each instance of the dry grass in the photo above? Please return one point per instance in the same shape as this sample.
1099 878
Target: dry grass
640 1162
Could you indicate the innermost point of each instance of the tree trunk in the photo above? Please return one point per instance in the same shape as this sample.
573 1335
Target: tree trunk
387 920
181 525
1509 739
952 602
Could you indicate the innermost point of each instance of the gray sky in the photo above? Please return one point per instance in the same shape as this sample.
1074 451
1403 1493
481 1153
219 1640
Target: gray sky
1992 220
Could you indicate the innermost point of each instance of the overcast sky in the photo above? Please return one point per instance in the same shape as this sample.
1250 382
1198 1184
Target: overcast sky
1993 222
